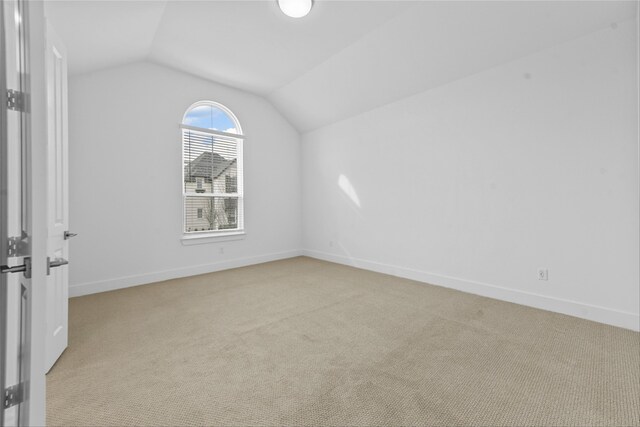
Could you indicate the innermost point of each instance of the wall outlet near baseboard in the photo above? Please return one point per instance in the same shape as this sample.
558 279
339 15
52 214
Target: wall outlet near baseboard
543 274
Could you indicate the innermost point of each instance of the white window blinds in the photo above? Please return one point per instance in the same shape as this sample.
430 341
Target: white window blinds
212 184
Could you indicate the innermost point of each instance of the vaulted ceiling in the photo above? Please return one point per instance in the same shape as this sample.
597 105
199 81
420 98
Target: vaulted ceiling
344 58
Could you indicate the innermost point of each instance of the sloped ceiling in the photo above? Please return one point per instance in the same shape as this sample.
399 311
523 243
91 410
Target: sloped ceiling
253 46
344 58
101 34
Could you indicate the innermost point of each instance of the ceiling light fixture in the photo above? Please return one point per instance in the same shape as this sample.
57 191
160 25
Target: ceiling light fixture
295 8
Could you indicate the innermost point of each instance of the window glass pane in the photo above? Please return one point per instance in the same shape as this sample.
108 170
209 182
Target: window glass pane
210 117
210 163
204 214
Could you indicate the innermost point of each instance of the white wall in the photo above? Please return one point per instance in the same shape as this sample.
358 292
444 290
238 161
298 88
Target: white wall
125 179
478 183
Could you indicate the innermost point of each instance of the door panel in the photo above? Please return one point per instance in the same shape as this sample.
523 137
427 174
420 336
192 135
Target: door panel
57 199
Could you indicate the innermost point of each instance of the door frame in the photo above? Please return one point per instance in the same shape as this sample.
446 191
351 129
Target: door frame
3 214
32 410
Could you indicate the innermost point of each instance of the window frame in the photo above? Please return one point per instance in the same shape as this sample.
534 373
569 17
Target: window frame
198 237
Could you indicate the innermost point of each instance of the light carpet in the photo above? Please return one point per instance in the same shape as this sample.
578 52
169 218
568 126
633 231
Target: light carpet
307 342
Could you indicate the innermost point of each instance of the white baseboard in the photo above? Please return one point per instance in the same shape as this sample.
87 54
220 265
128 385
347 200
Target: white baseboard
143 279
572 308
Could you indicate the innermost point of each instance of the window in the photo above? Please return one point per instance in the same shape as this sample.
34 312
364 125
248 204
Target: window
212 170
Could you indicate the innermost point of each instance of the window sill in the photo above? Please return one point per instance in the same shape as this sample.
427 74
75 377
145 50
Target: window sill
188 240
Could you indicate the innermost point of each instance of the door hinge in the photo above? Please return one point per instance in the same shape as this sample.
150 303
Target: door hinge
15 100
17 246
12 396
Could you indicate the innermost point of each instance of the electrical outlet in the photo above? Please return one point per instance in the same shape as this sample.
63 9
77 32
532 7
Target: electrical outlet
543 274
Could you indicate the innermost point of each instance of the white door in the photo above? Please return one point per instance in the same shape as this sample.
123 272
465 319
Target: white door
57 199
21 322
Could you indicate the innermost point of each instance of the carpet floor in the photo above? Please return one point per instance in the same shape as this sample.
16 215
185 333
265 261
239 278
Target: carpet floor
307 342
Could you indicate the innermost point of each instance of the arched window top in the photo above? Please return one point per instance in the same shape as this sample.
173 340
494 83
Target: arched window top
211 115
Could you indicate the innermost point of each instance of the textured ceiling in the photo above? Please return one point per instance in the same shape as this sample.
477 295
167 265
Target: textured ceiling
344 58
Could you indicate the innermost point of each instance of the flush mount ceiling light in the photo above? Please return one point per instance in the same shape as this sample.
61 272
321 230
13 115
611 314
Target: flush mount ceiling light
295 8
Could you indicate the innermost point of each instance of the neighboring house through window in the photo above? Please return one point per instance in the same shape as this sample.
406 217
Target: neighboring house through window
212 170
